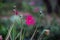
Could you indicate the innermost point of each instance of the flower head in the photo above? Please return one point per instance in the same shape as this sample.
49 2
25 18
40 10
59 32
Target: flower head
15 11
1 37
47 32
15 18
30 20
14 6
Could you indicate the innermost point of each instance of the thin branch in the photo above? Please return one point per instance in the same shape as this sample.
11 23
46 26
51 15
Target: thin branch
33 34
10 37
40 37
21 34
9 31
17 35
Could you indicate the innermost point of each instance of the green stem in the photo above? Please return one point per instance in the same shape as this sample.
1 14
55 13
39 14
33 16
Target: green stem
40 37
9 31
10 37
17 35
21 34
33 34
13 33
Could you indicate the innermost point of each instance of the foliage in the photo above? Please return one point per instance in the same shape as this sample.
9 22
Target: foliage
17 29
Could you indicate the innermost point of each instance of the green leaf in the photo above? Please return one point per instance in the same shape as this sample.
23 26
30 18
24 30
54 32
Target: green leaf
13 33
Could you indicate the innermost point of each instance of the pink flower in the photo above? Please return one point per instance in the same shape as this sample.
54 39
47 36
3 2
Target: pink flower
1 37
30 20
32 3
36 9
15 11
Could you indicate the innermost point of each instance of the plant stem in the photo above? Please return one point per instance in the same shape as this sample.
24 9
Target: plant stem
10 37
21 30
17 35
9 31
13 33
21 34
40 37
33 34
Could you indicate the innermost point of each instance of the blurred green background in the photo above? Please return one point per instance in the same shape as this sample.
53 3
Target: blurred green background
46 13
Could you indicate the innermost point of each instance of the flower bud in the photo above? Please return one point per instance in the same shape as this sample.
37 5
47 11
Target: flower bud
1 37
